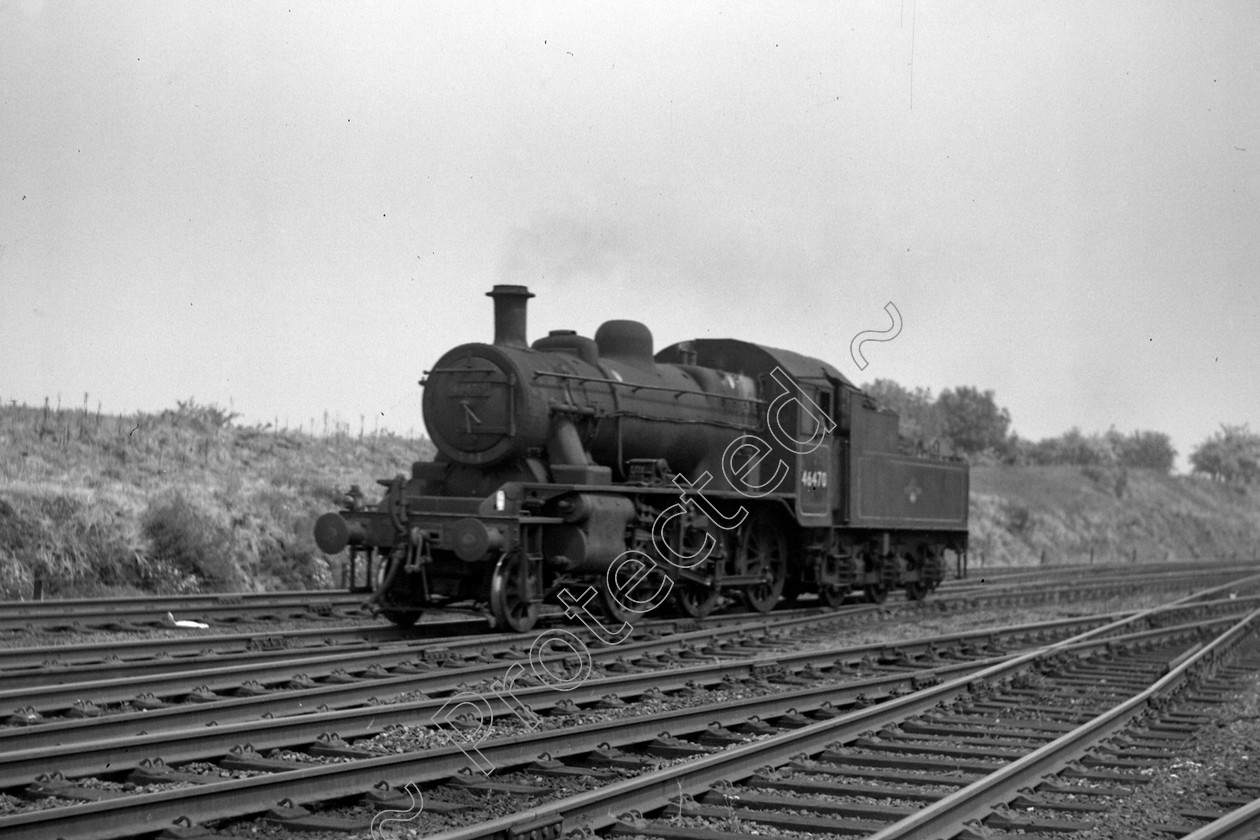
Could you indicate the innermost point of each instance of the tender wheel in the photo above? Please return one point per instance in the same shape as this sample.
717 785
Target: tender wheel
763 550
916 590
613 609
925 561
933 566
694 600
876 593
887 569
833 596
403 618
509 594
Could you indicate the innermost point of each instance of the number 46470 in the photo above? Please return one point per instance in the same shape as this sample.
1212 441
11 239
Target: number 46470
814 478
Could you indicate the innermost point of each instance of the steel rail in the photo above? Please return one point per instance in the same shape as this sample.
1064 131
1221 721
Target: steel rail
1079 569
54 674
20 760
19 616
945 817
150 812
55 689
252 651
127 602
341 696
228 677
37 735
16 660
62 695
18 768
303 701
1003 592
1240 824
1114 582
460 631
600 808
1010 589
228 610
153 811
454 630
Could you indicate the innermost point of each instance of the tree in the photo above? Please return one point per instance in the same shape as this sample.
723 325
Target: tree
973 421
1144 450
920 421
1232 454
1140 449
1076 447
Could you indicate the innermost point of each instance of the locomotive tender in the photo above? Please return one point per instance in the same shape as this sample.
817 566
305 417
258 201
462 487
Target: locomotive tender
713 469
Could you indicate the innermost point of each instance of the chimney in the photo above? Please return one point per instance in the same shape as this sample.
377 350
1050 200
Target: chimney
509 314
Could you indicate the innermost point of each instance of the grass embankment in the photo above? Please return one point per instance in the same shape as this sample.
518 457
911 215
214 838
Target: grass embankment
1068 514
185 501
181 501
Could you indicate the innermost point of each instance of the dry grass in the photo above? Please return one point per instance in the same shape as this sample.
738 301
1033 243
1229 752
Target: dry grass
1020 514
179 501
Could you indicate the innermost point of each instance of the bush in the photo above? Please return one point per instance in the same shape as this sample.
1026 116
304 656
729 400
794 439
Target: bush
1019 519
973 420
1231 455
90 501
290 565
1139 449
920 421
186 538
73 547
1111 479
17 533
1144 450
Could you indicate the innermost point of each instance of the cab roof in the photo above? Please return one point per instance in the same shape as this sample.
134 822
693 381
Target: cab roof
748 358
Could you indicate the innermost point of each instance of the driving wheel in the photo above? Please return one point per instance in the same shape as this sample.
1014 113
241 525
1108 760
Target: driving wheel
695 600
510 594
763 551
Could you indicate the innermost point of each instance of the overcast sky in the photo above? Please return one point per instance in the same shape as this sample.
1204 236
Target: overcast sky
297 210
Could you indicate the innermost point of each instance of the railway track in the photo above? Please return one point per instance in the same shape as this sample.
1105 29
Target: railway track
597 754
864 677
958 771
179 734
149 612
89 690
343 678
946 761
150 678
22 667
226 611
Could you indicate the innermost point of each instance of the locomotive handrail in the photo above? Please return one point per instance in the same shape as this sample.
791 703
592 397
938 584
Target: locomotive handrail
677 392
459 370
424 379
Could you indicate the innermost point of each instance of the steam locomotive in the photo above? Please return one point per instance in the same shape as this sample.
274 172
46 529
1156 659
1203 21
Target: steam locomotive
597 474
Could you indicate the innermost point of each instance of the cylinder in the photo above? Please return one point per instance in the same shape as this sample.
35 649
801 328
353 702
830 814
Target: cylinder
472 540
